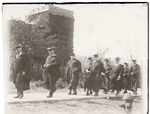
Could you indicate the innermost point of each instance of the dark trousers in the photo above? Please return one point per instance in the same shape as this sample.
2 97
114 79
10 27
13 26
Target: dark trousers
52 81
72 87
96 84
88 83
134 83
126 82
116 84
20 91
19 84
73 83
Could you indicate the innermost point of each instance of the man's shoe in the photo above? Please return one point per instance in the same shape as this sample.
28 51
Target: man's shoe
122 105
90 92
21 96
75 93
87 94
17 96
112 91
125 91
116 93
105 92
96 94
135 93
49 96
69 93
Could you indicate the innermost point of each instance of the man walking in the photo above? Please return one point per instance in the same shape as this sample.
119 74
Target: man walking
126 78
106 77
116 76
72 74
88 81
135 76
21 72
51 71
97 72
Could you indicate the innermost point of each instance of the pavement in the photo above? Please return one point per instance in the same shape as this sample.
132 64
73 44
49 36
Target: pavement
40 95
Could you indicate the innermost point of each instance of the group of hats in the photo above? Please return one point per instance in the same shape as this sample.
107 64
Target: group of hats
72 54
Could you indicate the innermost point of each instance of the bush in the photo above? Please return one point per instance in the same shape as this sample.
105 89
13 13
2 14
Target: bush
61 84
35 84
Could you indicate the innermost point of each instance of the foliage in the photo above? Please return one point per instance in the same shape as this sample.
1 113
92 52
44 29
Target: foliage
34 39
33 44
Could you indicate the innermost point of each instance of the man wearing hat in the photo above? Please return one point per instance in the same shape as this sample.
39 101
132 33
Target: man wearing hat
135 76
97 72
21 72
88 81
72 74
51 71
106 77
126 78
116 76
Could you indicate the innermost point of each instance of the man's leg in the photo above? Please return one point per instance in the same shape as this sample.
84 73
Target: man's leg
75 84
118 87
50 85
97 86
20 90
18 94
74 89
46 79
125 85
70 90
135 87
71 85
19 86
87 93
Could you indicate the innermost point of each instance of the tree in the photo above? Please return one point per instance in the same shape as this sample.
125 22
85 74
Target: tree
30 38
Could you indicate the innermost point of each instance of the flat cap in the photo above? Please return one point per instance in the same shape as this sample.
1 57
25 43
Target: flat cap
96 55
89 58
117 58
18 46
134 60
72 54
51 48
126 64
106 59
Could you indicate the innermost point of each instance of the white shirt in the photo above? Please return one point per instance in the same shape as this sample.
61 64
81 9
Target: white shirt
18 55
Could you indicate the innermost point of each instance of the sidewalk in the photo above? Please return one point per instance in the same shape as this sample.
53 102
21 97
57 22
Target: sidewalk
59 95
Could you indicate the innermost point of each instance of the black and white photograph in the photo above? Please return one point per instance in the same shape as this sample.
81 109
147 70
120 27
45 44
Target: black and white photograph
76 58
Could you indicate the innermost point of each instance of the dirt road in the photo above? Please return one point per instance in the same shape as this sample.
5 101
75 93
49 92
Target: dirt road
85 105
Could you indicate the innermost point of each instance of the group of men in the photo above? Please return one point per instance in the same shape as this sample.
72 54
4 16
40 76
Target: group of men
111 78
103 76
97 75
21 71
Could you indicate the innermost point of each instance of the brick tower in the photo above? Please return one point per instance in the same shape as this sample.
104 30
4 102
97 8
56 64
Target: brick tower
56 28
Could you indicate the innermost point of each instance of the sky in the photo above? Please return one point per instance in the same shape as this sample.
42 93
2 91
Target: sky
122 28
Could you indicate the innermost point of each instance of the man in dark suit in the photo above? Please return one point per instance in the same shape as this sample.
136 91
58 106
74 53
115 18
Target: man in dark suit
72 73
21 72
126 78
88 81
106 77
116 76
97 72
51 71
135 76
